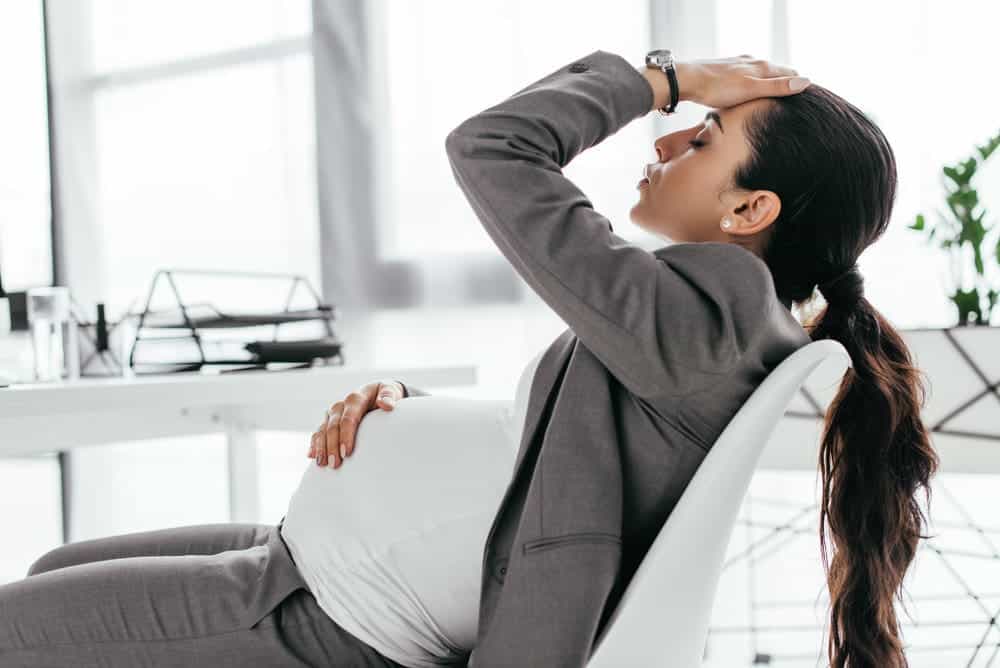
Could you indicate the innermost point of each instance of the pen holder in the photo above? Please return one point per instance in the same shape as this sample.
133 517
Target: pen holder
105 346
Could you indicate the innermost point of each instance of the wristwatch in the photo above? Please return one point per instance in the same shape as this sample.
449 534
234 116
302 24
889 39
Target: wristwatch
663 59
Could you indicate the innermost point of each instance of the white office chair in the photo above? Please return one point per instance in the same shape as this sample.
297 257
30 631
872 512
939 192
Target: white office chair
663 616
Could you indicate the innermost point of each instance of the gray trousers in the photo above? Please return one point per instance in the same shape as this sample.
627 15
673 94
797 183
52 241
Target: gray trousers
216 595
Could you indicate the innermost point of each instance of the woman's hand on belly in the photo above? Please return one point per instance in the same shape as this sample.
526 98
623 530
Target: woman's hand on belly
334 439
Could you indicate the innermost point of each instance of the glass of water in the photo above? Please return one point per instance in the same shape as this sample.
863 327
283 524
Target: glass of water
52 332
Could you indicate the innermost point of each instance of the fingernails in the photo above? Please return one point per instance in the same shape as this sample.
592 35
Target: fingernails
343 451
798 83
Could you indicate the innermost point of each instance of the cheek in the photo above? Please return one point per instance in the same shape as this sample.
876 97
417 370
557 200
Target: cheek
690 186
683 196
674 187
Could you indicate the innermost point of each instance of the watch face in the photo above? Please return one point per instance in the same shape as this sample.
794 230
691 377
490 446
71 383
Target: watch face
658 57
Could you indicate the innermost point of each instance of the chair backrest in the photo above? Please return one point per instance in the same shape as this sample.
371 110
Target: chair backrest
663 615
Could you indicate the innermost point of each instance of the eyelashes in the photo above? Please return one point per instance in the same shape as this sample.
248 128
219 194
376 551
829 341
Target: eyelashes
696 143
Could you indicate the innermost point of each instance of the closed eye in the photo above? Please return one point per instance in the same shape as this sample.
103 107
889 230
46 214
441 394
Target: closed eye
696 143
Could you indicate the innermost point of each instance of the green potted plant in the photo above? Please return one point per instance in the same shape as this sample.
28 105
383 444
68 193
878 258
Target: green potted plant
964 229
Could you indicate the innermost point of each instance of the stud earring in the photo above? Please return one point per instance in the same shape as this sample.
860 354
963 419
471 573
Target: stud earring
726 223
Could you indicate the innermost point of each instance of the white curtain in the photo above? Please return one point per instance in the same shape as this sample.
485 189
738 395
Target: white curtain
25 238
465 57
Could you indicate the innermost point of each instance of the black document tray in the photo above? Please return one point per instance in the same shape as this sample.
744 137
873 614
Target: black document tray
293 351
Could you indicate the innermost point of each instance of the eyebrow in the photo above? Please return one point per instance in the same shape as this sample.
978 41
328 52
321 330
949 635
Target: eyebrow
715 117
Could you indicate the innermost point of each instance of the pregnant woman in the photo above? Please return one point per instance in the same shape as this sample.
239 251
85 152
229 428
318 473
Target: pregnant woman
506 533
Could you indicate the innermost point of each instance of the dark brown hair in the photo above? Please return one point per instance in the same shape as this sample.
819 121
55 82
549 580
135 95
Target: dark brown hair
836 176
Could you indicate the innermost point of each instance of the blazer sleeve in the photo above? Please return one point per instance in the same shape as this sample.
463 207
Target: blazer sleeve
649 323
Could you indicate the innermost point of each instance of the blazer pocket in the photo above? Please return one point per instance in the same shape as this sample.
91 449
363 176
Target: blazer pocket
539 544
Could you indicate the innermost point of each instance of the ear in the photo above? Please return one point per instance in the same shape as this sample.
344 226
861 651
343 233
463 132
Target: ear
758 211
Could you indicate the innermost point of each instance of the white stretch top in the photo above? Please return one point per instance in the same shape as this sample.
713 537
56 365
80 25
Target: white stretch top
391 544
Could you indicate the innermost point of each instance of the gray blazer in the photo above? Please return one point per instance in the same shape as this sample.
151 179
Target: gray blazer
662 348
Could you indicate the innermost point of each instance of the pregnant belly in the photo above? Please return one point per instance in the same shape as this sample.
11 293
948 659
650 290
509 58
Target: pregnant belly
391 543
429 461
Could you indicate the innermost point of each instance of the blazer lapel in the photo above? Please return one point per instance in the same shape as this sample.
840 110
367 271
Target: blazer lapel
549 367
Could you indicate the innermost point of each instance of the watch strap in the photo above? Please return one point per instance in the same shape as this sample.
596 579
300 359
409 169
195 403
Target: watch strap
666 63
674 90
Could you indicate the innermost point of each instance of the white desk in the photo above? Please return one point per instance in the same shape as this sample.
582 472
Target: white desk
50 417
963 408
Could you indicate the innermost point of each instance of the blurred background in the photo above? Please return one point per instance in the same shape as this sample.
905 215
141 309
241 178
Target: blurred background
306 137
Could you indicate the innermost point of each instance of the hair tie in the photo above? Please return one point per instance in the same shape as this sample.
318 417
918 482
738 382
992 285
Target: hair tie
844 292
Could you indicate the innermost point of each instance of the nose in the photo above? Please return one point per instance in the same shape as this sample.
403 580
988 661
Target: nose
662 148
672 142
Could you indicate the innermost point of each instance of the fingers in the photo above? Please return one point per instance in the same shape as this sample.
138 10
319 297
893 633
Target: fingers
336 422
768 68
356 406
774 86
797 84
778 79
388 395
317 445
334 439
324 442
322 446
773 79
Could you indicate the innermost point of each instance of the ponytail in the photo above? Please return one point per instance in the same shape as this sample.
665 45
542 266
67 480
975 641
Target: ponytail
835 173
875 454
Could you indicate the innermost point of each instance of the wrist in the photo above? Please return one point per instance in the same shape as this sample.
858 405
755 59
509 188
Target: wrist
686 80
660 83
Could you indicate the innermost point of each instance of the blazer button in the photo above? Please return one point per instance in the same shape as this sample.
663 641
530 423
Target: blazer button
579 67
501 570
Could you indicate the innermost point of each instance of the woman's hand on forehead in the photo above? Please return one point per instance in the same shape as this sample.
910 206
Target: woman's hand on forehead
727 82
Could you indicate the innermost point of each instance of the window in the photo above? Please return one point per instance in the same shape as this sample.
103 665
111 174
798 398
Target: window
185 133
201 141
464 57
